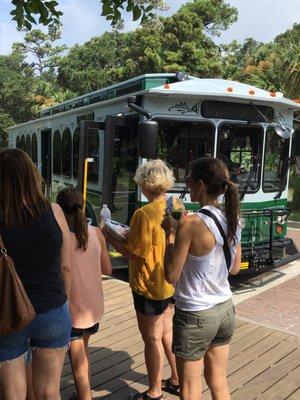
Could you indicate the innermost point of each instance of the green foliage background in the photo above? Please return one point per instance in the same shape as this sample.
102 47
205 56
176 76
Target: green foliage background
183 41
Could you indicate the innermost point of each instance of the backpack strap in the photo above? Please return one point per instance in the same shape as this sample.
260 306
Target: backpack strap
226 248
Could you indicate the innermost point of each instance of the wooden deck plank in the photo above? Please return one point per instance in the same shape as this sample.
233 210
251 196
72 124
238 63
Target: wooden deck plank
263 363
102 359
244 375
268 378
283 388
294 396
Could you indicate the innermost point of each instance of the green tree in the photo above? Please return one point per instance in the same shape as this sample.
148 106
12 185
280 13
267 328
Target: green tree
91 66
40 46
26 12
5 122
273 66
180 42
17 99
186 37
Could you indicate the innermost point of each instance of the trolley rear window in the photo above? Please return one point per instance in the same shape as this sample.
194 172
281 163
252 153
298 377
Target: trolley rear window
237 111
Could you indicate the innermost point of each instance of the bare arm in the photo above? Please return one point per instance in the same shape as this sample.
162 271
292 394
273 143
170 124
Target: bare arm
236 265
119 246
176 250
65 249
106 268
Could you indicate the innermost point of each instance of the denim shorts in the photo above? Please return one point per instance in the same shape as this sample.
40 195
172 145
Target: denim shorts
50 329
194 332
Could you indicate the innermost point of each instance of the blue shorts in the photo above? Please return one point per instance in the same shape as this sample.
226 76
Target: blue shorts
50 329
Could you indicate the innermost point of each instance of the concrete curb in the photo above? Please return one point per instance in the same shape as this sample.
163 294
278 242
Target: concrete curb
294 224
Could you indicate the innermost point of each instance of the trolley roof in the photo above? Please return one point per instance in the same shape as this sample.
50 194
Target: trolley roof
224 89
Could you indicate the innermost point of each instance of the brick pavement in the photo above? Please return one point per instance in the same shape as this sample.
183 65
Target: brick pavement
278 307
295 235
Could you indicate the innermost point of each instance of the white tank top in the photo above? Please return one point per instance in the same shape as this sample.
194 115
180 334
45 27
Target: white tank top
204 280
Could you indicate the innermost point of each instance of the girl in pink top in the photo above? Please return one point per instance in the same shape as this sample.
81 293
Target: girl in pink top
89 259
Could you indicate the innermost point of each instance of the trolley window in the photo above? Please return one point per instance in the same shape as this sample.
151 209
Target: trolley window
22 143
75 152
66 148
276 162
240 148
57 153
181 142
34 149
236 111
28 145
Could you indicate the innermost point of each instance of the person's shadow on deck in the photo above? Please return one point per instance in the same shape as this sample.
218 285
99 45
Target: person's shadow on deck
112 372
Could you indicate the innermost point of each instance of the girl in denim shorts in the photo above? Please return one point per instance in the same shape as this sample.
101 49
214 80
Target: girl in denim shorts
198 264
35 234
89 259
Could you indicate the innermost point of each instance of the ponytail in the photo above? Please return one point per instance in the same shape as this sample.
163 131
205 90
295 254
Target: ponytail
215 175
71 202
80 228
232 210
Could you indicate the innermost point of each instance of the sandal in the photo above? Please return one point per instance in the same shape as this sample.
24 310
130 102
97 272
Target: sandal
169 387
144 396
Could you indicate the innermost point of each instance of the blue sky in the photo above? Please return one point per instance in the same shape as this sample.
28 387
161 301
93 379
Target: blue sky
260 19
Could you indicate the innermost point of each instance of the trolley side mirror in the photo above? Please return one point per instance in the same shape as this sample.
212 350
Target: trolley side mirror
148 138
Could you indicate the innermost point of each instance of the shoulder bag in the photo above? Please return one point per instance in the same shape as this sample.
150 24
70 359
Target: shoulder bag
16 310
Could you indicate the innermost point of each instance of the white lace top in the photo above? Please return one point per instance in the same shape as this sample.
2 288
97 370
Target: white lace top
204 280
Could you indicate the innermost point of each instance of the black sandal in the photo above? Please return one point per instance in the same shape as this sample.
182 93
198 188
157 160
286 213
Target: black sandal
169 387
144 396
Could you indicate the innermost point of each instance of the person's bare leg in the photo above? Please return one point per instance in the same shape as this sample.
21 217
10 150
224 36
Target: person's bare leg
167 342
30 393
80 368
151 328
215 372
13 380
46 372
86 339
189 373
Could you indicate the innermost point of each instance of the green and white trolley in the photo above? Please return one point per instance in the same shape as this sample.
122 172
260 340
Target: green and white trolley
177 118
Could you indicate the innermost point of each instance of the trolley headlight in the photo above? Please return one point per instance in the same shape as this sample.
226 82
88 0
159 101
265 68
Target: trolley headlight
281 219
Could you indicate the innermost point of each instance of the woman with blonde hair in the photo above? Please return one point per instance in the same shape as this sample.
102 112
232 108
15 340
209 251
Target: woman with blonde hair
152 294
35 234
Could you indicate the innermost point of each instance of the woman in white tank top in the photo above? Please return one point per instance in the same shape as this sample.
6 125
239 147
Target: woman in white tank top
198 265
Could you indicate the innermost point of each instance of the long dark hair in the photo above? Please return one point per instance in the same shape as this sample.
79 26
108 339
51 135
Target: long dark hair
21 198
215 175
71 202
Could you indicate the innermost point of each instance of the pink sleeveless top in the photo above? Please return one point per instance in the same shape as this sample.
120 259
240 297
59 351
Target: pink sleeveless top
86 297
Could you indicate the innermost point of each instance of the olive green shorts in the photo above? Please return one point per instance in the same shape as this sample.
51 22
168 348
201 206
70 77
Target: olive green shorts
194 332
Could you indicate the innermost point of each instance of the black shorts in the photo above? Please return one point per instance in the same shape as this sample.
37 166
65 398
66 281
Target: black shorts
77 333
150 307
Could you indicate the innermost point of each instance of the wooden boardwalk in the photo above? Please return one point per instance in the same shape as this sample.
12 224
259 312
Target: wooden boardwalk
264 363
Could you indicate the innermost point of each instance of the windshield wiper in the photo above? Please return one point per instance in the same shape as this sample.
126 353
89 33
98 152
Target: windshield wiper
250 176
